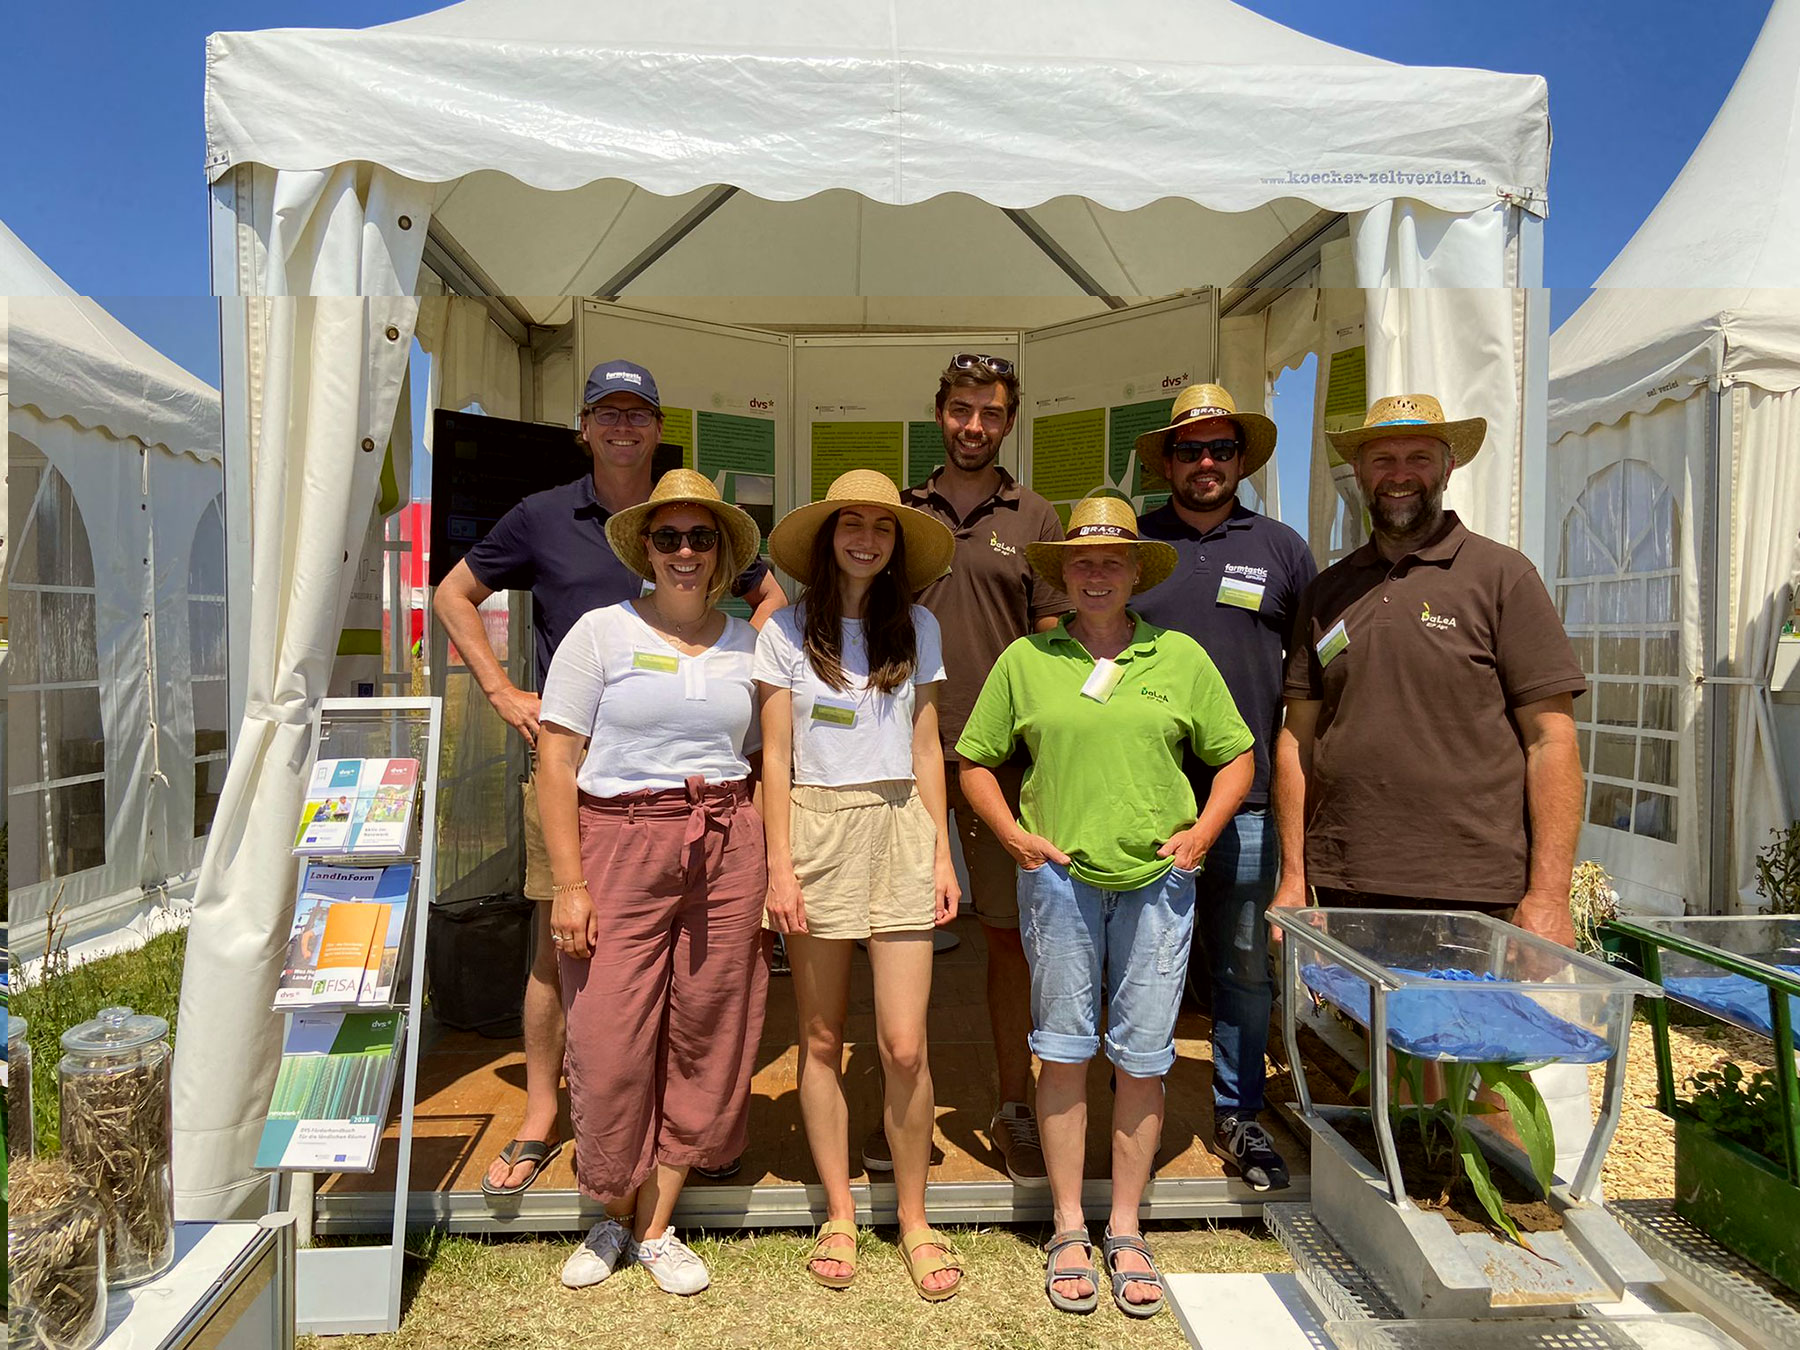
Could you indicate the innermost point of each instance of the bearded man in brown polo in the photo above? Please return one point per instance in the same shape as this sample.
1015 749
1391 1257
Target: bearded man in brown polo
1429 703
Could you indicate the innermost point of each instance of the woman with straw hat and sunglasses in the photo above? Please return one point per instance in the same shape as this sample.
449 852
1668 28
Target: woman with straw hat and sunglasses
658 870
853 784
1108 841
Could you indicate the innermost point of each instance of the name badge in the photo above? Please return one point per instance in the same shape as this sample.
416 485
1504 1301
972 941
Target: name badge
1104 679
1241 593
1332 645
833 714
664 663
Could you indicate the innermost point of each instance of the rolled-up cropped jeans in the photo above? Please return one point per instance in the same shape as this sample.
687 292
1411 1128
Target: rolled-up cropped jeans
1231 894
1083 942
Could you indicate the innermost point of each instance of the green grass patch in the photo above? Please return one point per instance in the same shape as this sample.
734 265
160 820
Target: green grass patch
147 980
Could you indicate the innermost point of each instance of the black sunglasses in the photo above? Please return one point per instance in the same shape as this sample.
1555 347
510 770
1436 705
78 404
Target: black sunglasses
1190 452
669 539
974 360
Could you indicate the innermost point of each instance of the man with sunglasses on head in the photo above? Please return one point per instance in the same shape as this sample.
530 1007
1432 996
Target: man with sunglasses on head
554 545
1236 592
990 597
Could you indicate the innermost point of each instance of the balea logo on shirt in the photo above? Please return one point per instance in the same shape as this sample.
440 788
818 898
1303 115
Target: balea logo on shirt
998 547
1438 621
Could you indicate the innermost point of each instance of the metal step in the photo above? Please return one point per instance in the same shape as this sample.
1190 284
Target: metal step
1705 1275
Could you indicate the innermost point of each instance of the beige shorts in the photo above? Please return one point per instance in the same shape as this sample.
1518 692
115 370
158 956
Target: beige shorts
865 858
537 857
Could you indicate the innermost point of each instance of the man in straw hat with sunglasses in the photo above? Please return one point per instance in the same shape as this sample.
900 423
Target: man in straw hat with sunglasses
1108 839
554 545
990 597
1235 591
1430 731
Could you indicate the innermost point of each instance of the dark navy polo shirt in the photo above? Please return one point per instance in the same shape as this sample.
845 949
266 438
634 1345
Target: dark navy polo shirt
553 544
1229 562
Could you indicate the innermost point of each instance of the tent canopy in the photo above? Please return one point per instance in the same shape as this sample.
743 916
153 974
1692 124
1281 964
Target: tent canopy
874 150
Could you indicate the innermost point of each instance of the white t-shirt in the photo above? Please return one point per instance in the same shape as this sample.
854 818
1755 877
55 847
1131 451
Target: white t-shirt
653 716
854 735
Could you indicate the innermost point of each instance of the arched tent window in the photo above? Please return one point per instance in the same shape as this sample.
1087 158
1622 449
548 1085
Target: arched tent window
56 749
207 662
1619 592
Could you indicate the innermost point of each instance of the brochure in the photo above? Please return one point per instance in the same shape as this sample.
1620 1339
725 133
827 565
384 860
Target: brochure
350 926
358 806
331 1092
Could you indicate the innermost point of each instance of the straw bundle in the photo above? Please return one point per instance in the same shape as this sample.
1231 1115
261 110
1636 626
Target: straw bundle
55 1246
115 1135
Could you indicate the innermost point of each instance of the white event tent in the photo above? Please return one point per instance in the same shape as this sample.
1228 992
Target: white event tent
1675 453
115 570
787 207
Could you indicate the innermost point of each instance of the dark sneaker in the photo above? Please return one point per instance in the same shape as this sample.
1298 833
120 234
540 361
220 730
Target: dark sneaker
877 1156
729 1169
1015 1134
1242 1141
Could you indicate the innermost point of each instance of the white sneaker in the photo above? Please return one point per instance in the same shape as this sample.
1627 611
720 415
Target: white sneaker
672 1264
598 1256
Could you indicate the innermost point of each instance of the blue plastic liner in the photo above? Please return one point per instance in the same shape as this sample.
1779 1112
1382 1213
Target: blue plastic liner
1737 998
1479 1026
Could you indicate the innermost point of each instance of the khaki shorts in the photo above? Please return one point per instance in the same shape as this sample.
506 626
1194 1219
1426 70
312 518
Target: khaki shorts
865 857
993 872
537 857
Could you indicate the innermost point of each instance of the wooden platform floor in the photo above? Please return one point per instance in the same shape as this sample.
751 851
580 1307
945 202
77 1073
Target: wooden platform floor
471 1094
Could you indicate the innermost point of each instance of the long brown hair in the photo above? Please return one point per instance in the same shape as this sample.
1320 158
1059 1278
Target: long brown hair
887 616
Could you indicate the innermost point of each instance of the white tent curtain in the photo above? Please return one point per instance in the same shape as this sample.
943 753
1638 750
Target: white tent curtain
1765 569
333 369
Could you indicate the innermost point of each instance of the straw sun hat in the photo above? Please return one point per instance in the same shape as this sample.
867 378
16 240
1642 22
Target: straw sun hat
1414 415
738 532
1196 403
929 543
1103 520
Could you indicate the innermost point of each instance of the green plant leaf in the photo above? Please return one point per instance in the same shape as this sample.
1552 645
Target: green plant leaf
1530 1118
1475 1165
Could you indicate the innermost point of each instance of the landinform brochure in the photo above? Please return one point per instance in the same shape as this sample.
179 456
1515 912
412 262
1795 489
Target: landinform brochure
349 930
331 1093
358 806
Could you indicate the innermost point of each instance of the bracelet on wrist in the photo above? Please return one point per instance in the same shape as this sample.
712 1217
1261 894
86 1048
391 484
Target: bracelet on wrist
572 886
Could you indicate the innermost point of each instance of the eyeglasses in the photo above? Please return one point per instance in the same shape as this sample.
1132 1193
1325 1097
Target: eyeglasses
611 417
669 539
1191 452
973 360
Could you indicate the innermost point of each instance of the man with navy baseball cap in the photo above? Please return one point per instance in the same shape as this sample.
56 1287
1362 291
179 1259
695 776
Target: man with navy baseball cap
554 545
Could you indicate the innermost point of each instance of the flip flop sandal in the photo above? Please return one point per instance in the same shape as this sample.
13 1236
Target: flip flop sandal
1112 1246
534 1151
918 1267
1071 1237
821 1252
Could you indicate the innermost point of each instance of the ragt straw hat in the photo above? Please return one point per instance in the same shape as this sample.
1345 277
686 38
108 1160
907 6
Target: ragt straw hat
1413 415
1103 520
739 534
1196 403
929 543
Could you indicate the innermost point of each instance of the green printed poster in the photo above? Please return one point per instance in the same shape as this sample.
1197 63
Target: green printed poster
1068 453
678 429
729 442
1124 425
1346 392
838 447
924 450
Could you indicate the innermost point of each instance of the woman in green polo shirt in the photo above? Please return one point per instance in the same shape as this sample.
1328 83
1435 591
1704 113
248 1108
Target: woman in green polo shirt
1108 841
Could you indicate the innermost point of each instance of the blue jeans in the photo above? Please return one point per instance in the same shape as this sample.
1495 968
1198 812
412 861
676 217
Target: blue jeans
1232 892
1133 945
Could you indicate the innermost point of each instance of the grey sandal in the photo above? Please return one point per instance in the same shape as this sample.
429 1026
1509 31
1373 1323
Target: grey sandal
1071 1237
1120 1278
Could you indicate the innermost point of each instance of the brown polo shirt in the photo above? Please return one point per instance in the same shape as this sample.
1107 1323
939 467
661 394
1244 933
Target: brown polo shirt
1418 769
991 596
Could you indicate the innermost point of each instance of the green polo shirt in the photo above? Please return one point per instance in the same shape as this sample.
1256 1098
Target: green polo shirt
1105 783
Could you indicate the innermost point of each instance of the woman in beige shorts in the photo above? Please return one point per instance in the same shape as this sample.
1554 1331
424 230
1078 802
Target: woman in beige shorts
853 792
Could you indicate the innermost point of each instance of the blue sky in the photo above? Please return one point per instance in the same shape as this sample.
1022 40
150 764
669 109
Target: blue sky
103 108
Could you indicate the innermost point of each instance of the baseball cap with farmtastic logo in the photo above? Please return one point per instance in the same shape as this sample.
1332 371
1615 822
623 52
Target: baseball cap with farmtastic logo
620 377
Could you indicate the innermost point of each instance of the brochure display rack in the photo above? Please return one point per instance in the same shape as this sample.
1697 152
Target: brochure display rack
353 985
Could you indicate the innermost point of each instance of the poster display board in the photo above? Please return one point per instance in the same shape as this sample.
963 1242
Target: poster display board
1091 387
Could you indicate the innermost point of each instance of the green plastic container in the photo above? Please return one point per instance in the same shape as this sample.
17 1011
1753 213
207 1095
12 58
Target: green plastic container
1738 1197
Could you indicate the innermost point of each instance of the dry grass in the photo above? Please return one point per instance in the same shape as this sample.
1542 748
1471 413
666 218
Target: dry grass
476 1293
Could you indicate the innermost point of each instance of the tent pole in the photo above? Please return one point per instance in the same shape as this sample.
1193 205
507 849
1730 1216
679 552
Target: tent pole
464 276
1057 254
234 421
615 285
1534 412
1715 691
